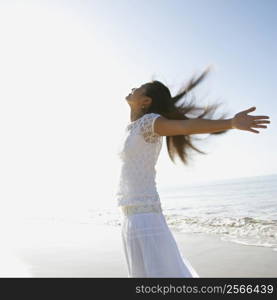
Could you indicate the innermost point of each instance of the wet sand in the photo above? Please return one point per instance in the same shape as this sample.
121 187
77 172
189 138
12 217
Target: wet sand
85 250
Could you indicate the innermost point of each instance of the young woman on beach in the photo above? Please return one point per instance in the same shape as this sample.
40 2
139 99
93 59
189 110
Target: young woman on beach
149 246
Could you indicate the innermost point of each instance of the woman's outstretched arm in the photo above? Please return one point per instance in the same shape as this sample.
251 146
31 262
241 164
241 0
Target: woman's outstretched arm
241 120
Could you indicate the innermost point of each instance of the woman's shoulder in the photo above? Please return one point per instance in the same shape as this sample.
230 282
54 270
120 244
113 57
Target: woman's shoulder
150 116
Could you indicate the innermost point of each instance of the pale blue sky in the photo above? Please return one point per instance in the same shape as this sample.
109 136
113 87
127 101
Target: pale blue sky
66 67
175 39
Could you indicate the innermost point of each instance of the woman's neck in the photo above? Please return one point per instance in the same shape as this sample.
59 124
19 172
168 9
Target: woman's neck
136 115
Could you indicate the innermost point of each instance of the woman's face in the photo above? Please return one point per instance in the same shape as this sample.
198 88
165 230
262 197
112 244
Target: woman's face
136 97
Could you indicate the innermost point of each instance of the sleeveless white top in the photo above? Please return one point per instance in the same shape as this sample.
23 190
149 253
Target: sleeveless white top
138 154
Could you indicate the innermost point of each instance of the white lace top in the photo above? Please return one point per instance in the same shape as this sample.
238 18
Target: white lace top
138 154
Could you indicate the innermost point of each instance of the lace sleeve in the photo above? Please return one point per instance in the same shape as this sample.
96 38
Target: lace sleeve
147 128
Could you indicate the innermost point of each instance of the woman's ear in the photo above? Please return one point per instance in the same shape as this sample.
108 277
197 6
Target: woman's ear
147 100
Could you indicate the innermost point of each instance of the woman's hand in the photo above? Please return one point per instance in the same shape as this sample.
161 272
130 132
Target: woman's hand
243 121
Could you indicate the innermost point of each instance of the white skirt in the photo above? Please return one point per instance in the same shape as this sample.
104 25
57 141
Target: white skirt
149 246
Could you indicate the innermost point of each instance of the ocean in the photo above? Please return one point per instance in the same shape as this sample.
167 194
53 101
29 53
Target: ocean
240 210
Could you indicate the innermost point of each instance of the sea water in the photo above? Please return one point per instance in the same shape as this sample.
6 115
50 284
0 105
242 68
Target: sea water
242 210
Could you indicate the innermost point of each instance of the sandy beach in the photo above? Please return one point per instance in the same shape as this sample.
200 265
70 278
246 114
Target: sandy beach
85 250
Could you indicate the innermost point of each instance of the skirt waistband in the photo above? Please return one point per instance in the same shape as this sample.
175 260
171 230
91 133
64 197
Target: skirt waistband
136 209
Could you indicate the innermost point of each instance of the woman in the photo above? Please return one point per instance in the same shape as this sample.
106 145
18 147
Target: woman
149 246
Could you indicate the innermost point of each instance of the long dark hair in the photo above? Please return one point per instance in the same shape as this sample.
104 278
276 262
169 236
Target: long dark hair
166 105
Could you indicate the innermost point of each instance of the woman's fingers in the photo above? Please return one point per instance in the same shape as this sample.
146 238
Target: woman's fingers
252 130
260 122
249 109
259 126
248 122
259 117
